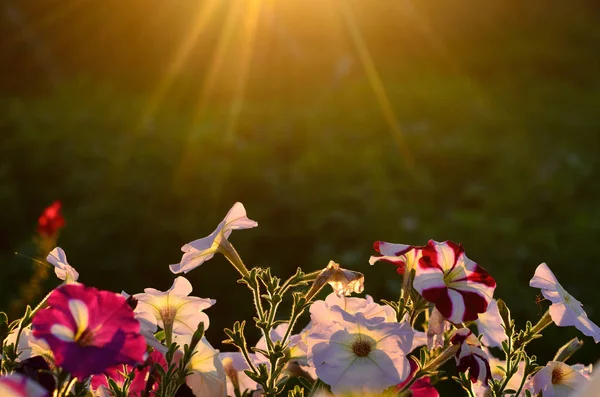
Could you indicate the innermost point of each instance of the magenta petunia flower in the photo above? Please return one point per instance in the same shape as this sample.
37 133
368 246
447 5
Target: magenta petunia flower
17 385
89 330
459 288
470 356
99 383
422 387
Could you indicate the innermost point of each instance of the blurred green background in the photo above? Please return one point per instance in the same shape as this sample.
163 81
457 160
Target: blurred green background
335 122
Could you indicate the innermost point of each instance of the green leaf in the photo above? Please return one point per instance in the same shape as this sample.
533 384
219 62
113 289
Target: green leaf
297 391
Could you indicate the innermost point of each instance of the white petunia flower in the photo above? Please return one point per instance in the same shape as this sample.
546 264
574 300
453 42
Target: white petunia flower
201 250
63 270
558 379
17 385
29 346
353 353
320 310
173 309
565 309
483 390
207 378
435 329
235 365
490 325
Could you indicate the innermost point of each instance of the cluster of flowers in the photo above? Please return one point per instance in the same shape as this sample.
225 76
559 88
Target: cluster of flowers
81 341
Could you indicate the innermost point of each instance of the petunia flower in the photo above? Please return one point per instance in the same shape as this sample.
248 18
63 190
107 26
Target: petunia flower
29 346
558 379
353 353
89 330
483 390
17 385
565 310
37 369
343 281
436 328
470 356
173 310
490 325
51 220
63 270
585 370
422 386
403 256
99 383
201 250
207 378
234 365
459 288
321 310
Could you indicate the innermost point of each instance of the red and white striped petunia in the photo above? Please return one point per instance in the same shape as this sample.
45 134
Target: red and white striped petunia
470 356
402 255
459 288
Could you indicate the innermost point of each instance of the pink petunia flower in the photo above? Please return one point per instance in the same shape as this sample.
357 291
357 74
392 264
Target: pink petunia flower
470 356
17 385
89 330
99 383
459 288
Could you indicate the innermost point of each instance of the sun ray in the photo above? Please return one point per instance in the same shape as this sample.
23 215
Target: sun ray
248 35
244 13
376 84
216 64
180 58
247 46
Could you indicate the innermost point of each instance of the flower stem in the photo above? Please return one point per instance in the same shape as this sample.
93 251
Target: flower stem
545 321
168 334
521 386
432 366
233 257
